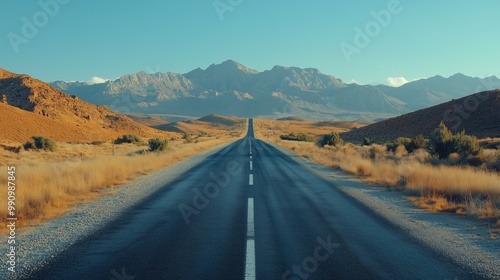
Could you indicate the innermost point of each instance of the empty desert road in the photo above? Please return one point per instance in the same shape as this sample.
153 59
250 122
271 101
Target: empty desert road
250 212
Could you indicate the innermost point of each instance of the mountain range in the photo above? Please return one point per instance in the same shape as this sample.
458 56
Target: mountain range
230 88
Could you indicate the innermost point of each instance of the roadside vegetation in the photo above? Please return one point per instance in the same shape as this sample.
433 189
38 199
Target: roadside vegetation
128 138
444 172
157 144
301 137
332 139
49 181
40 143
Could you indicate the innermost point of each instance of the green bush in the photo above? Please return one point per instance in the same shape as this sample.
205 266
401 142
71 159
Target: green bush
495 164
28 145
41 143
157 144
444 143
332 139
465 145
410 144
418 142
299 137
128 138
367 141
400 141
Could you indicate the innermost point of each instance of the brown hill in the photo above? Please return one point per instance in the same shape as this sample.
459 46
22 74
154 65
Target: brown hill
218 119
477 114
147 120
208 125
339 124
292 118
49 112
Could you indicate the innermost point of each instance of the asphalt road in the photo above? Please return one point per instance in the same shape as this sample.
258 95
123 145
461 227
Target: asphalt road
250 212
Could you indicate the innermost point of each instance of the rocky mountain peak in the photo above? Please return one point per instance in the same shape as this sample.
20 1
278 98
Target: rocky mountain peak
230 65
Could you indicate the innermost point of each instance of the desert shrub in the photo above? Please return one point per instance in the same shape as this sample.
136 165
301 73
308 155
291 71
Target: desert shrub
97 142
400 141
297 137
367 141
465 145
14 149
410 144
444 143
41 143
157 144
332 139
417 142
128 138
188 138
28 145
377 151
495 162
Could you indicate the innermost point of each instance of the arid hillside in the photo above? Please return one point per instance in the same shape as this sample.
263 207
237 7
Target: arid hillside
32 107
214 125
477 114
147 120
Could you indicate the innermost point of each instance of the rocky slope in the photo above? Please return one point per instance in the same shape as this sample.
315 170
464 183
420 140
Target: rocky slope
477 114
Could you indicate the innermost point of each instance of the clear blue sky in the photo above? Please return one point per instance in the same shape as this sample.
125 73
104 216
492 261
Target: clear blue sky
111 38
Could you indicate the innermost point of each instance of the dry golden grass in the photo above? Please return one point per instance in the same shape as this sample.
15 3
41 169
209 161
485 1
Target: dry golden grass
436 188
48 183
270 129
436 203
64 151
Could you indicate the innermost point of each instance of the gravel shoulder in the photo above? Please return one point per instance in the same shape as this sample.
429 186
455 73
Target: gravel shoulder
37 245
461 239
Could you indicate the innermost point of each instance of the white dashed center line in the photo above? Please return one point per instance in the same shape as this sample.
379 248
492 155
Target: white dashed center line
250 258
250 219
250 273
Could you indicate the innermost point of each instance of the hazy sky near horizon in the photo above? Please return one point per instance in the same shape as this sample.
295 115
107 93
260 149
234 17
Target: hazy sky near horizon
380 41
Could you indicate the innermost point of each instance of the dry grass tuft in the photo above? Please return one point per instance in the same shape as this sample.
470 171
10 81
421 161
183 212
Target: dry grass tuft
437 203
